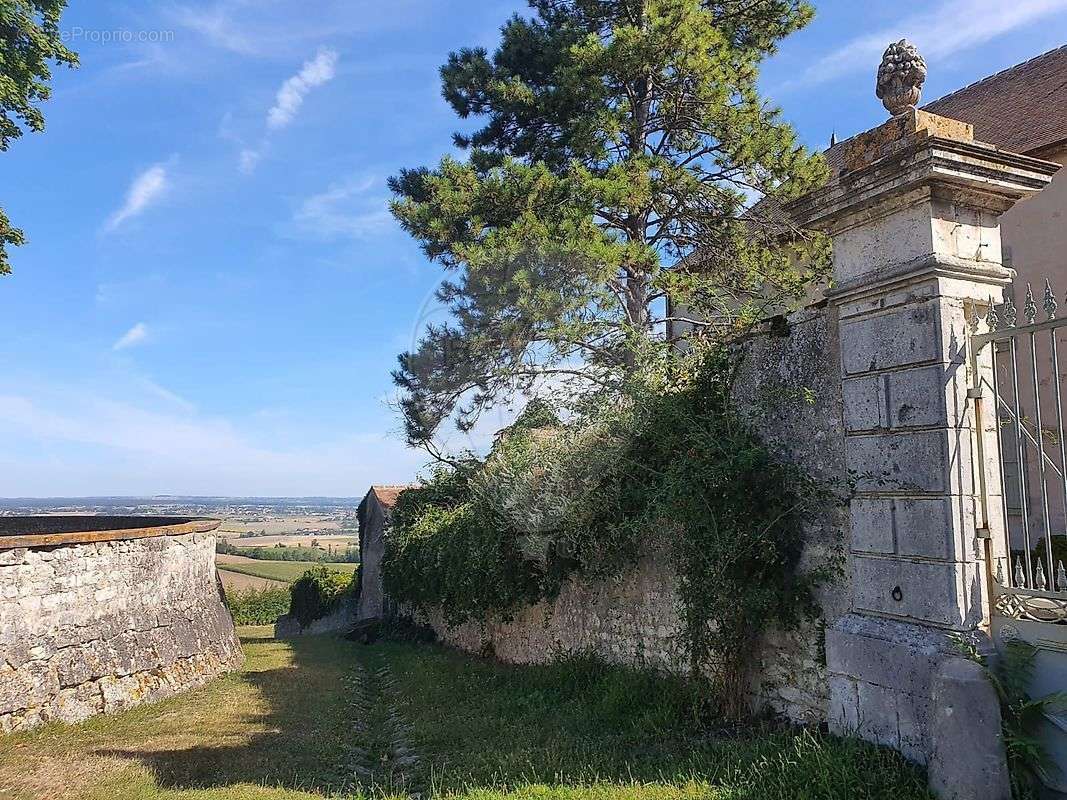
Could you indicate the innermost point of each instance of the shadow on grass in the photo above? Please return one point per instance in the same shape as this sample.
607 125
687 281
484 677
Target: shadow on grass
301 739
582 731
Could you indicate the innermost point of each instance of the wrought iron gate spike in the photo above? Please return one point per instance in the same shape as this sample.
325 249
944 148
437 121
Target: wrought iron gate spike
1030 307
991 318
1050 300
1011 315
1041 583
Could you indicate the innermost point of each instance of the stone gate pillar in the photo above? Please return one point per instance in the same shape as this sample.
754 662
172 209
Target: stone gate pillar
913 216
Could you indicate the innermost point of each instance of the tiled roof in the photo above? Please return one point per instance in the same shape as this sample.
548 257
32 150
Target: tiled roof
387 495
1022 109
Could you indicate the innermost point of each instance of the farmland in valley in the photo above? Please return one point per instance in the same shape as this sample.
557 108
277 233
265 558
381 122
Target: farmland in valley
286 571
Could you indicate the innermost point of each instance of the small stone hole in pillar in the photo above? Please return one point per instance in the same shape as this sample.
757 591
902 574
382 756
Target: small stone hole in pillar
898 595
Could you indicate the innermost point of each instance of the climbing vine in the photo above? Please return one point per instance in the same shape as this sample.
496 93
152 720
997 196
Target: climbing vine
669 460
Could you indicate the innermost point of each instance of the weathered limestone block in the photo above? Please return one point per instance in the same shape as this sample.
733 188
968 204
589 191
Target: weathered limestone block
341 620
945 594
910 398
966 710
101 626
932 461
881 681
913 527
905 336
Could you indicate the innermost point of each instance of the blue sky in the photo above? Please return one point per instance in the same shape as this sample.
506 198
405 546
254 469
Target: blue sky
213 293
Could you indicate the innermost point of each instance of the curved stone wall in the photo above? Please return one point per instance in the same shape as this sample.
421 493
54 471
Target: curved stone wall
101 614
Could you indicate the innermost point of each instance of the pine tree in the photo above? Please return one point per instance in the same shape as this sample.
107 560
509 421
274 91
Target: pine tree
621 138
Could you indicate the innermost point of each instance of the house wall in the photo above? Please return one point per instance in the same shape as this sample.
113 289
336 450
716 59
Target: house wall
1034 235
371 551
104 626
789 384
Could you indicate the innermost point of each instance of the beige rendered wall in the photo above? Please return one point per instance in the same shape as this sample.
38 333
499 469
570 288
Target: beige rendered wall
1034 234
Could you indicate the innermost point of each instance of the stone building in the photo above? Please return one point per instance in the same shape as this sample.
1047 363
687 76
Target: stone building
373 517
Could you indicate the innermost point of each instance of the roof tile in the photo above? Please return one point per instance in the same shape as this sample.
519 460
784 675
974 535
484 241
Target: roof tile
387 495
1022 109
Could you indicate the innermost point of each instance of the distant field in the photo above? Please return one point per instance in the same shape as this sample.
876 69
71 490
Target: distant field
287 571
239 582
336 542
280 525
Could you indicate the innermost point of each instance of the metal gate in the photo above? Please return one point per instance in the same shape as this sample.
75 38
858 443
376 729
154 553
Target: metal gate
1020 385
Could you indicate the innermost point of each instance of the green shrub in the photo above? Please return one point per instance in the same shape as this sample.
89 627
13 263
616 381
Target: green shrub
1021 716
317 592
461 561
670 459
258 606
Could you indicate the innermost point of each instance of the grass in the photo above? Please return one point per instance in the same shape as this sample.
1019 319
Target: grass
292 726
277 727
287 571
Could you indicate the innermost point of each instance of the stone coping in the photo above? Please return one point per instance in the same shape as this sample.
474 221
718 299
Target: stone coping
52 531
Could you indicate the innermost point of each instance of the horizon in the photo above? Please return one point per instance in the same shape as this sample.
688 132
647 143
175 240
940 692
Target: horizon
183 497
212 306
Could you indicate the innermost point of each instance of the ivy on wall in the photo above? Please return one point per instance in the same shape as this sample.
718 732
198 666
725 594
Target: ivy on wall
670 460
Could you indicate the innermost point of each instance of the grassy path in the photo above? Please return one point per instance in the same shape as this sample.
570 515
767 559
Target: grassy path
325 718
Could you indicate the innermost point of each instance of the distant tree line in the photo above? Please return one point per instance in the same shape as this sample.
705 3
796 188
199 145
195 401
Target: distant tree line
281 553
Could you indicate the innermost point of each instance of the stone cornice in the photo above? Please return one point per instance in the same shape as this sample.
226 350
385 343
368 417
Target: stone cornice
991 178
179 527
925 268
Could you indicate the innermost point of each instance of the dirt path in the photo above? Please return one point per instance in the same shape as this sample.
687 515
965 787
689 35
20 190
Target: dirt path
381 752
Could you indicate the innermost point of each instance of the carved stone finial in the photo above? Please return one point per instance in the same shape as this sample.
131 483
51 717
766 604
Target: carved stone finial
900 77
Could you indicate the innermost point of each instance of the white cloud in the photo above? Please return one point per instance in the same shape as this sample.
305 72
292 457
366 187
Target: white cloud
72 442
287 102
217 26
147 188
344 211
166 395
951 27
290 97
249 158
280 30
134 336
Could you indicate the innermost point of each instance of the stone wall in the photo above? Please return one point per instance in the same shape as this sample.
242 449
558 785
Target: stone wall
789 385
98 627
340 620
